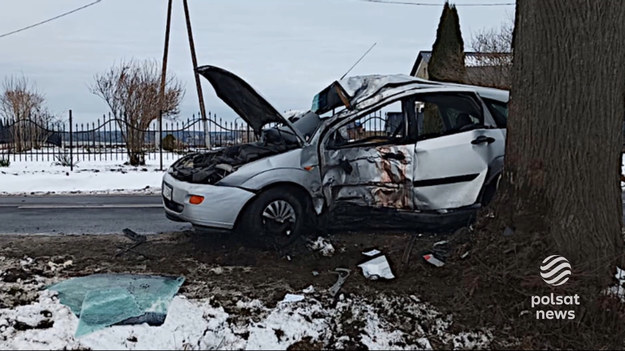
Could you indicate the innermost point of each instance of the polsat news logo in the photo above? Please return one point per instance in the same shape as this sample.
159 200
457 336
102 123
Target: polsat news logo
555 271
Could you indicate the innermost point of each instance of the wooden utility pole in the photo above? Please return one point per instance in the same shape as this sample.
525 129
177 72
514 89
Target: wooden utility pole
163 81
193 60
197 76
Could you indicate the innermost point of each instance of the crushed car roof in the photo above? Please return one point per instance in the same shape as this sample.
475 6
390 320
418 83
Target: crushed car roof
349 92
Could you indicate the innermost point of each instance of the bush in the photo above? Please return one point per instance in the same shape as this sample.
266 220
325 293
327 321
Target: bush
65 160
4 162
169 142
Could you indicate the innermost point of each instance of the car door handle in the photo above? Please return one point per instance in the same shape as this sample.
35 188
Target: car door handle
482 139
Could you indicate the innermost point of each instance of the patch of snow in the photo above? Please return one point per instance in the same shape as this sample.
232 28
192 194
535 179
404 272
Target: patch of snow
93 177
292 298
322 245
619 288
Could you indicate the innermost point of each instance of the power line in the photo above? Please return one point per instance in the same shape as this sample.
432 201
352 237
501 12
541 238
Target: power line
437 4
49 19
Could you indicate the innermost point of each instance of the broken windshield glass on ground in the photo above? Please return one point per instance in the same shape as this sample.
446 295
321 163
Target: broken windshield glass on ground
102 300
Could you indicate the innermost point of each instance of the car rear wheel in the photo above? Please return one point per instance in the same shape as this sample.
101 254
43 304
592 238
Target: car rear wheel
274 219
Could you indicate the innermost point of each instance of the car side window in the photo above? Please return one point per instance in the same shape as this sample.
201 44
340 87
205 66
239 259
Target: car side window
442 114
384 126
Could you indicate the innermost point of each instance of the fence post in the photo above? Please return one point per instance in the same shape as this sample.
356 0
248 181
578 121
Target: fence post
71 143
160 138
207 133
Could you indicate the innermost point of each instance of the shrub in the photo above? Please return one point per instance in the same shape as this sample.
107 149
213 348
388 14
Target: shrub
65 160
4 162
169 142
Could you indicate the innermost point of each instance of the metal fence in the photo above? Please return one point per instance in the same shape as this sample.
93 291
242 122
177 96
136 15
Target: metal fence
108 138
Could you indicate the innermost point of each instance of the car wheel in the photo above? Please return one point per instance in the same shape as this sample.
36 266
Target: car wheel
274 219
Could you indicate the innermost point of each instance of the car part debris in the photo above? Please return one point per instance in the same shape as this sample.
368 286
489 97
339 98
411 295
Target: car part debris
138 240
433 260
102 300
134 236
292 298
371 253
408 250
343 275
377 268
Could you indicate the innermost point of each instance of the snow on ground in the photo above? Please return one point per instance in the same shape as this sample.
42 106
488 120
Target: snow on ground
618 289
101 176
386 322
198 324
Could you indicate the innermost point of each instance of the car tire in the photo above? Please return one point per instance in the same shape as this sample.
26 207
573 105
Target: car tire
274 219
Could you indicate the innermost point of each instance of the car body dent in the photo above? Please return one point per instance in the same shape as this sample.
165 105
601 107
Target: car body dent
282 168
376 176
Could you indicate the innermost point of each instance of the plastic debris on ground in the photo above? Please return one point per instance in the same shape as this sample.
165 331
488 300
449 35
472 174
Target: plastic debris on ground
309 290
323 246
433 260
343 274
372 252
102 300
377 268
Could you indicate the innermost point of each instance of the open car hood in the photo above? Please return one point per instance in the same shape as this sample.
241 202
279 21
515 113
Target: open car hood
243 99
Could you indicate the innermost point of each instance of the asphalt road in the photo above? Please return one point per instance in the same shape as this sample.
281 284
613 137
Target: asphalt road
87 214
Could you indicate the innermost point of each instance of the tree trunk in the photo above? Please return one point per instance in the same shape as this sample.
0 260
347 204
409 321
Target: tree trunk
563 152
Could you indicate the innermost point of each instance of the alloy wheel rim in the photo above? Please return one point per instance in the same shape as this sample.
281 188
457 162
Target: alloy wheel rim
281 213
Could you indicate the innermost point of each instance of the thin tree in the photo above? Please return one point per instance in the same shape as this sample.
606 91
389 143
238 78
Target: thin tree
561 183
131 90
492 62
447 61
24 107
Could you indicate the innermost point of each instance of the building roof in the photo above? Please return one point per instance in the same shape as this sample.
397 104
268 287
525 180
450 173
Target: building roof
469 58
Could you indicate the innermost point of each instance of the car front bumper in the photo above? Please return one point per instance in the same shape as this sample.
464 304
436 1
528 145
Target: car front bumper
220 208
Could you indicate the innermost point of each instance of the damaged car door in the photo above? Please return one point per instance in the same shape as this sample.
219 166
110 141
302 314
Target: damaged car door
368 160
457 144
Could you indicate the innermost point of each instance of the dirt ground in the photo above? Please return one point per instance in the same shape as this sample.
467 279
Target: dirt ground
218 266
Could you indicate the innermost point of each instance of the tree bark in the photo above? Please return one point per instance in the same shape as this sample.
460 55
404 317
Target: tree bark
563 152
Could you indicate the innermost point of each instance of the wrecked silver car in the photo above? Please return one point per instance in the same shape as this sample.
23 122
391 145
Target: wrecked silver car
379 143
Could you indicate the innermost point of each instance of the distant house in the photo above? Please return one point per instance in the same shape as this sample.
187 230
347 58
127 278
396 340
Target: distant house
486 69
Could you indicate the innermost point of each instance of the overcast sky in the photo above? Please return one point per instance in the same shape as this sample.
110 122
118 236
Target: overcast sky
287 49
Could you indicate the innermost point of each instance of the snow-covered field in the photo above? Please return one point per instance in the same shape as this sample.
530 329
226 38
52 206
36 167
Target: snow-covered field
105 176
